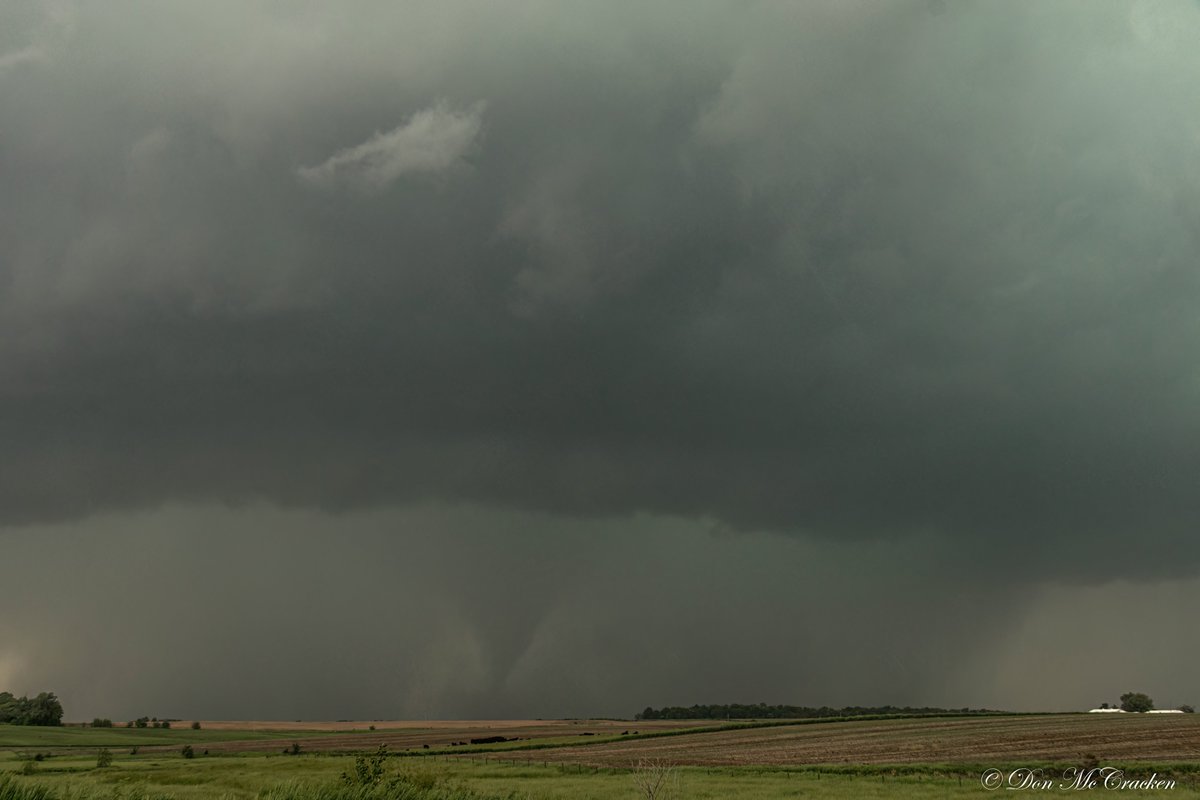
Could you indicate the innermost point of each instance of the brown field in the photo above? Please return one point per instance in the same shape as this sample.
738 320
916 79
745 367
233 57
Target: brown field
948 740
568 725
400 735
1060 738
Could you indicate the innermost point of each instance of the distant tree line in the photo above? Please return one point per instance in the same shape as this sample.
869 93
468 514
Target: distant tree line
45 709
764 711
152 722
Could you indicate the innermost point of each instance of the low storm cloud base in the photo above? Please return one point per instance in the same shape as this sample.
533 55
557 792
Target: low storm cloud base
472 612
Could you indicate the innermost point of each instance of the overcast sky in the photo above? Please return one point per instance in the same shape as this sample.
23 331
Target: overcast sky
534 359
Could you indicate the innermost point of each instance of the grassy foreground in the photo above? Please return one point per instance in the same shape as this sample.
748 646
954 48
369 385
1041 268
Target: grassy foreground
317 777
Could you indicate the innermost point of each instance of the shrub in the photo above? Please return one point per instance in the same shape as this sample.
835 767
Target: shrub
187 751
368 770
195 726
165 724
104 758
655 780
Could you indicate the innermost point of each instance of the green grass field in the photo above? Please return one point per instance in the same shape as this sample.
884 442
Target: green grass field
727 761
316 777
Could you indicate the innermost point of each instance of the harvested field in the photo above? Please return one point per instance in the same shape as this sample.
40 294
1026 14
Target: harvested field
345 726
992 740
405 735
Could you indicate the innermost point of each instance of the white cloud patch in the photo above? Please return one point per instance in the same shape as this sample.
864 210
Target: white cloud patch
26 55
430 141
148 149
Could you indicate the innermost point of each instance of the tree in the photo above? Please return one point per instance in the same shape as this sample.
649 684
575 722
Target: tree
8 708
1136 701
45 709
1185 708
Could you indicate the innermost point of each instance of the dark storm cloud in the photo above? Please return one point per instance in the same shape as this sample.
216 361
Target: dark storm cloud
837 269
463 359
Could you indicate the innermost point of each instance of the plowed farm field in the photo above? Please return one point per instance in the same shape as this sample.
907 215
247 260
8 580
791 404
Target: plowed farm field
990 740
400 736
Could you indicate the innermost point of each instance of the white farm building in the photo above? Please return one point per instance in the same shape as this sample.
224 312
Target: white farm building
1123 711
